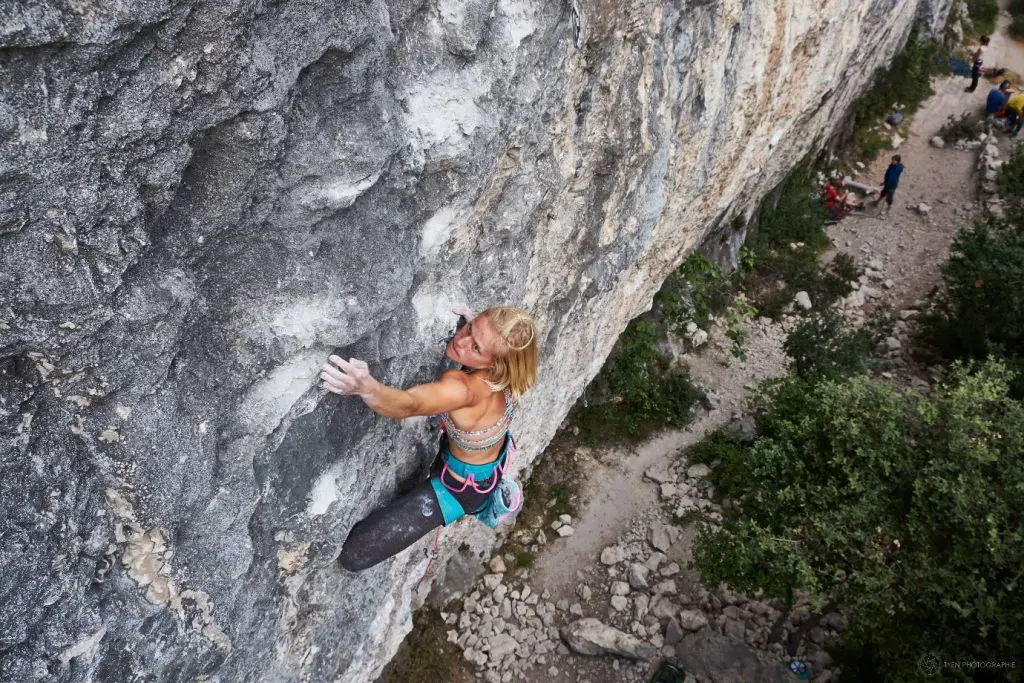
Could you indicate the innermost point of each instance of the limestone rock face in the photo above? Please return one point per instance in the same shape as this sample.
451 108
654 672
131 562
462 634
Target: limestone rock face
199 201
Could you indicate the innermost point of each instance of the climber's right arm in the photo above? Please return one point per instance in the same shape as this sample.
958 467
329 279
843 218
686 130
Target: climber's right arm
352 377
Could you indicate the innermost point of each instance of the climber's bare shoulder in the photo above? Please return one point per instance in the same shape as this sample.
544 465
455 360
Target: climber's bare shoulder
454 390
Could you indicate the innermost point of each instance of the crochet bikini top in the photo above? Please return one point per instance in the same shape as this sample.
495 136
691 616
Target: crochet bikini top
481 439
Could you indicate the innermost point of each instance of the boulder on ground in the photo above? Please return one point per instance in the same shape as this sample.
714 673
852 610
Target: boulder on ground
611 555
937 142
659 537
591 637
692 619
697 471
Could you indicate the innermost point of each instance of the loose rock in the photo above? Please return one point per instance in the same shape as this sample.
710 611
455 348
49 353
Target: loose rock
692 620
611 555
591 637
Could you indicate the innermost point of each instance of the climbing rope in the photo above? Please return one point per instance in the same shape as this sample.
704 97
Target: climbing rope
432 555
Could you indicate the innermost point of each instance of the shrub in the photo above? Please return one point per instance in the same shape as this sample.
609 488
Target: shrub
696 289
426 654
870 144
983 14
906 81
1010 184
637 391
724 451
903 510
844 268
981 308
966 127
794 213
736 318
825 345
1017 26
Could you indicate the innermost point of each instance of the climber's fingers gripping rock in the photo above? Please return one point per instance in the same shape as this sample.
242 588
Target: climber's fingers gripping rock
466 313
351 377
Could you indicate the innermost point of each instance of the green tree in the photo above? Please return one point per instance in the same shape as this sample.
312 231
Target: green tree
900 509
981 308
825 345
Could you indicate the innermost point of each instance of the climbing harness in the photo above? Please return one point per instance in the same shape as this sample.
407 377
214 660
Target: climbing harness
451 508
505 500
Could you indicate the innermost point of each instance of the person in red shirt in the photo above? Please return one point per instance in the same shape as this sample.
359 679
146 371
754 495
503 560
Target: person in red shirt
835 199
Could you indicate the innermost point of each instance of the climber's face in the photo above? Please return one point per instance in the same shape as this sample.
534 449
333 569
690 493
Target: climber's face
473 345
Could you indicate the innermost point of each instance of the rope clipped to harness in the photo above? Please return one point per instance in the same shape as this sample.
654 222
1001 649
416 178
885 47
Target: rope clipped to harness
432 555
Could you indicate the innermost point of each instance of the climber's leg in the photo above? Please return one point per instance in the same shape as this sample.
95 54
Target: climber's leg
391 529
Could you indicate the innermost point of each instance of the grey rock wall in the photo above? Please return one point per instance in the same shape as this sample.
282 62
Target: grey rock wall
199 201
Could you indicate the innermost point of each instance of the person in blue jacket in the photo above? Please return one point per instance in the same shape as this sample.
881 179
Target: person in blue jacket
891 181
997 98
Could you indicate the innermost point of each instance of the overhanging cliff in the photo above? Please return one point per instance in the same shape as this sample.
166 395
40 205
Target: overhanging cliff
199 201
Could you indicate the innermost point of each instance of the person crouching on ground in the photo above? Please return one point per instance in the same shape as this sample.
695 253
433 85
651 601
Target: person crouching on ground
498 354
997 98
838 201
835 199
1015 113
891 181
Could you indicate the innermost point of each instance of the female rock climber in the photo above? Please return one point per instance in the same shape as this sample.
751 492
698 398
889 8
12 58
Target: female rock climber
498 354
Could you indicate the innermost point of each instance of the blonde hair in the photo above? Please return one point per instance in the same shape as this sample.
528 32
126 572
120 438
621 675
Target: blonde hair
515 364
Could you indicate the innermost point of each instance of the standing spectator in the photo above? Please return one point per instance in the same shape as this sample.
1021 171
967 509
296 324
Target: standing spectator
976 62
891 181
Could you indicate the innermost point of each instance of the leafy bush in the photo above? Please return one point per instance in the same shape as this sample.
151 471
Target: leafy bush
906 81
426 654
981 308
1017 26
637 391
825 345
966 127
983 14
844 268
698 288
903 510
870 144
724 451
794 213
1010 184
736 318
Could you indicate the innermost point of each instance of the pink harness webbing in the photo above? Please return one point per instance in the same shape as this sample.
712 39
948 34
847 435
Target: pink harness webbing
470 480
